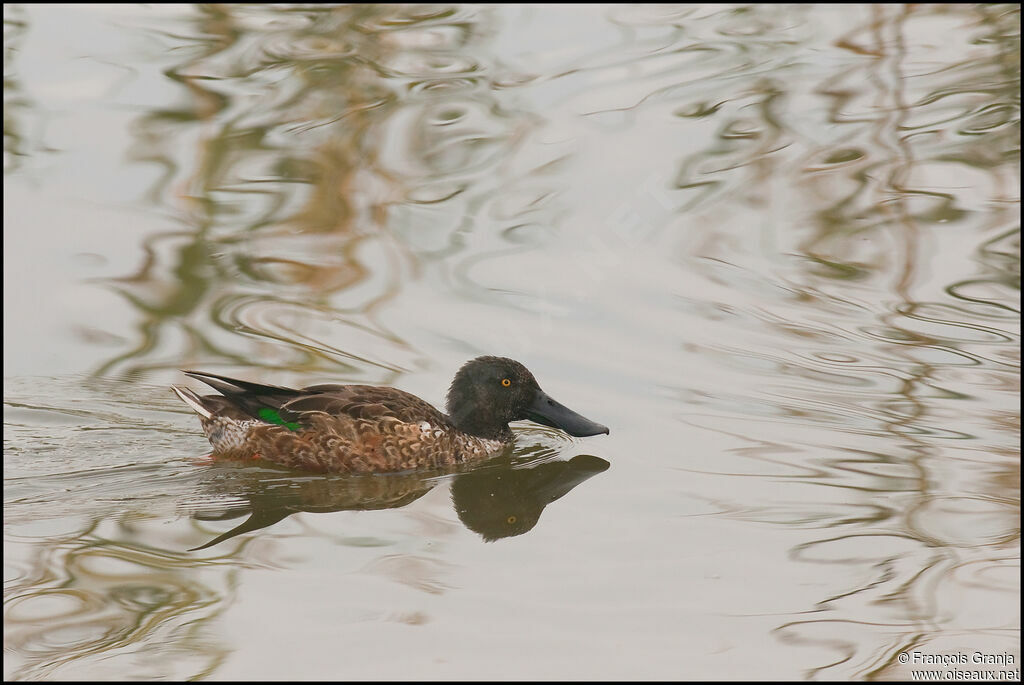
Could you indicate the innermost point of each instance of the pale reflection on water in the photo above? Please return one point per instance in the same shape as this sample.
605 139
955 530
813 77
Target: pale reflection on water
775 248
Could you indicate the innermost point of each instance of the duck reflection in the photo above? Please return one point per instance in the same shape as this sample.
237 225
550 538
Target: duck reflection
501 498
503 502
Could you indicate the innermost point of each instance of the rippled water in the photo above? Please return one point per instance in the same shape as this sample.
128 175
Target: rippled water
775 248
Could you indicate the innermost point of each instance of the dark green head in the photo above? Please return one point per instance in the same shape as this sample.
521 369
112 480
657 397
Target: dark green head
489 392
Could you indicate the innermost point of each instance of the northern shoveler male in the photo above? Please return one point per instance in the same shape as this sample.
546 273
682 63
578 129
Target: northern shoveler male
363 428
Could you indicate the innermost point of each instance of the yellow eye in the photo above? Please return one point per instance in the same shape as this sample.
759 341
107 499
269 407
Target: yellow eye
506 382
511 520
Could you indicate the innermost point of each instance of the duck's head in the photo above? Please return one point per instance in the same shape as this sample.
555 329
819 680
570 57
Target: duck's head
488 392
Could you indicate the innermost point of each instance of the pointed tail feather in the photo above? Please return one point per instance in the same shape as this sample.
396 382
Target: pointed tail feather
192 400
251 398
233 386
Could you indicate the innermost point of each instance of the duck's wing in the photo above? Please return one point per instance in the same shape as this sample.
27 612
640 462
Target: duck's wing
361 402
288 406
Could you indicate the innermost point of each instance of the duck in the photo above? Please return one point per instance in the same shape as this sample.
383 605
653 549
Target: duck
331 428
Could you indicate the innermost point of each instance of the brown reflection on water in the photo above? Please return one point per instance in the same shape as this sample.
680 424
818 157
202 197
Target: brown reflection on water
921 354
17 104
302 133
84 597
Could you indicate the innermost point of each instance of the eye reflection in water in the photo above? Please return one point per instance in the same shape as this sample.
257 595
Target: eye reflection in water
502 498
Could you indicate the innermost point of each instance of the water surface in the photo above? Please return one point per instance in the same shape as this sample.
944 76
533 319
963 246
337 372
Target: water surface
775 248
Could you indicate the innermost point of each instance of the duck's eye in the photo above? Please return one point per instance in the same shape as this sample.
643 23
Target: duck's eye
511 520
506 382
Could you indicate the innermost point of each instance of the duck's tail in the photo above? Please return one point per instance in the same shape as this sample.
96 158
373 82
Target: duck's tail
238 399
248 398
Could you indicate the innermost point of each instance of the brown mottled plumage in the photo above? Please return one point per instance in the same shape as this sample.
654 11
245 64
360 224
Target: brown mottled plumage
363 428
